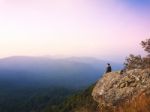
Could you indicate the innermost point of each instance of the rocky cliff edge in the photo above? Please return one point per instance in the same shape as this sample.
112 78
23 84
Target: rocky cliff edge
113 89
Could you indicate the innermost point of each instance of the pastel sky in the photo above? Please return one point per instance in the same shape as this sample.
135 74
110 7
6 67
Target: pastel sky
109 29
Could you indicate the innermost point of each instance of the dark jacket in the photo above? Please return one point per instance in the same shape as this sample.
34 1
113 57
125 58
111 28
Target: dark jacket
108 69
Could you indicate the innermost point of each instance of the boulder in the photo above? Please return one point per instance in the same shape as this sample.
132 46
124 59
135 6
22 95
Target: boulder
114 88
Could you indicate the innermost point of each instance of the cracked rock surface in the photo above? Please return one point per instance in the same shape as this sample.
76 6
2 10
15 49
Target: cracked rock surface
114 88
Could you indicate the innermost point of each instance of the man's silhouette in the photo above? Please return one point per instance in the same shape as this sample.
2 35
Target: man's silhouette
108 68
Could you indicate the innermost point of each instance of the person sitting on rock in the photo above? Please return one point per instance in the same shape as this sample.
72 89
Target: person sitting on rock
108 68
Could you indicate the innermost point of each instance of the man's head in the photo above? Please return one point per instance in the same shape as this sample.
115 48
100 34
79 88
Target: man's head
108 64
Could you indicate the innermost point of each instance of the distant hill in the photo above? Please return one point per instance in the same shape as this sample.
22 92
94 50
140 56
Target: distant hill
43 71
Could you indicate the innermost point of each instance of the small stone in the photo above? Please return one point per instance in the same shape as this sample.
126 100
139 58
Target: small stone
133 84
122 85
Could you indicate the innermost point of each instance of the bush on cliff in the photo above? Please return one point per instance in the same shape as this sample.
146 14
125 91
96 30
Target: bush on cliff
139 62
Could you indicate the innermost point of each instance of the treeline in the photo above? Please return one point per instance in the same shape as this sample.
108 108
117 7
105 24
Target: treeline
80 102
54 99
31 100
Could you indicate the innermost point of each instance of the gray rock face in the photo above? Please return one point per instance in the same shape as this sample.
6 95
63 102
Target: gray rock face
114 88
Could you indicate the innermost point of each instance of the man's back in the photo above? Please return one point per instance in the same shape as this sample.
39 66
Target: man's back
108 69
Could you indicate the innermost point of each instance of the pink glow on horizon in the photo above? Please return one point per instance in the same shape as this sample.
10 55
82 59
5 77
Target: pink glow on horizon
71 28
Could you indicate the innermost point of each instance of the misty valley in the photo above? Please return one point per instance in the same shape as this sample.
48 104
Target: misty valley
31 84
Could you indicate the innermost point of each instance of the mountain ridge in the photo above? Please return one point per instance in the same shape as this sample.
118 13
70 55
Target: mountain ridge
53 70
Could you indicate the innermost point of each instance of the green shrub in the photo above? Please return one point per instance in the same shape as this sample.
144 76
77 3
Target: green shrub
139 62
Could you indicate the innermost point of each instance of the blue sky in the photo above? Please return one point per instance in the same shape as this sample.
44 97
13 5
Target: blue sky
140 5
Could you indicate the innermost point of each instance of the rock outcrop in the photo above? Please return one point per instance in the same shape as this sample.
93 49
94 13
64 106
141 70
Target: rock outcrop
113 89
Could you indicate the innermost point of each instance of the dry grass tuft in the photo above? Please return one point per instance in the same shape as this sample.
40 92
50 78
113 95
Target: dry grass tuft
139 104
